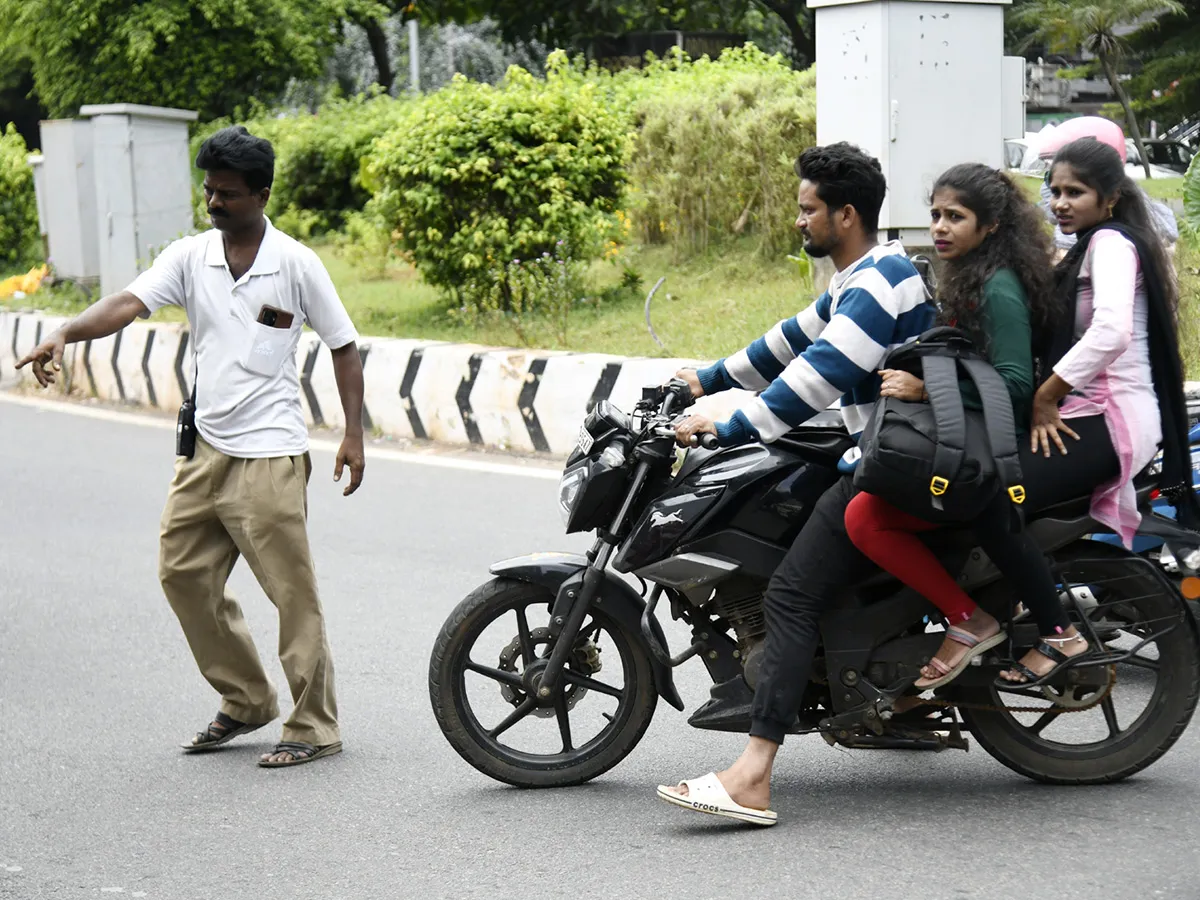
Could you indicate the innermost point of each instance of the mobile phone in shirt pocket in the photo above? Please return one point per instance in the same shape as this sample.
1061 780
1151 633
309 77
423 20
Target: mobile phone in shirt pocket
269 347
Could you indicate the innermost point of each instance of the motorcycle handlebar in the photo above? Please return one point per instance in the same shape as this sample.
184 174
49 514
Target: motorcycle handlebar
706 440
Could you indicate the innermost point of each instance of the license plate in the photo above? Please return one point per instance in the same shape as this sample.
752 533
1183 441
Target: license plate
585 441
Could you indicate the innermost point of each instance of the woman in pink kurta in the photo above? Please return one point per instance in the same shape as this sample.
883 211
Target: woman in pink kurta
1109 369
1113 377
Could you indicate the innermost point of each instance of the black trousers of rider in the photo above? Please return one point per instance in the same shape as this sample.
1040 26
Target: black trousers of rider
1089 462
821 562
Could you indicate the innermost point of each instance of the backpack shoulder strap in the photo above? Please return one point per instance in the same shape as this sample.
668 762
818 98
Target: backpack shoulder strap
941 383
1000 425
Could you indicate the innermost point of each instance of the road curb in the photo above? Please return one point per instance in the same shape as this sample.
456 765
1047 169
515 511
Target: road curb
460 394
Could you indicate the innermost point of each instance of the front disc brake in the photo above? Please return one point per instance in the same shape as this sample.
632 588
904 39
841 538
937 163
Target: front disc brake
585 659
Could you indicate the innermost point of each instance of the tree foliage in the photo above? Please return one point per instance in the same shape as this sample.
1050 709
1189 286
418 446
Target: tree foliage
573 24
18 203
1097 26
208 55
1168 85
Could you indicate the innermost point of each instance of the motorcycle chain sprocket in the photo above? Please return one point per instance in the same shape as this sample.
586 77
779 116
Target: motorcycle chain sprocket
1101 696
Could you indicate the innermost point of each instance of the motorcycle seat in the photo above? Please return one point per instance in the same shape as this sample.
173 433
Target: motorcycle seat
824 446
1078 507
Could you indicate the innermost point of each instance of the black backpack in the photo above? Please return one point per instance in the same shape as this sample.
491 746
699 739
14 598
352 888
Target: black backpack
936 460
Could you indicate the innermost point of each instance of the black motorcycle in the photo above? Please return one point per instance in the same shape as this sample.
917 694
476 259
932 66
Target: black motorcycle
548 675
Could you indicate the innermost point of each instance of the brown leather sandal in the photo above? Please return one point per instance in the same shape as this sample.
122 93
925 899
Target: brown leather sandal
221 730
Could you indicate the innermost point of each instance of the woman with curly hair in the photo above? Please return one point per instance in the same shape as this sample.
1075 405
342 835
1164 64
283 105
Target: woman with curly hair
998 287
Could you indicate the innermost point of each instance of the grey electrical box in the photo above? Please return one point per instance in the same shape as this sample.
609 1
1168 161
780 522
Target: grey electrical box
67 201
920 84
143 185
114 188
1014 97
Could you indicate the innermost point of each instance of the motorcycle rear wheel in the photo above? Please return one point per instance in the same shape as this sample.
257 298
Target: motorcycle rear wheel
501 600
1132 607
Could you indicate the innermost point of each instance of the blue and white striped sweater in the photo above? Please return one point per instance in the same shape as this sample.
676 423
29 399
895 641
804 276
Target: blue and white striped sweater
832 348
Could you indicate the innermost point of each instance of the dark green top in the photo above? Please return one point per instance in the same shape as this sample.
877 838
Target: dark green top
1008 343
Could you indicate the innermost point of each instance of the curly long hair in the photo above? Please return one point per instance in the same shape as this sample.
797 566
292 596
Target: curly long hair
1019 243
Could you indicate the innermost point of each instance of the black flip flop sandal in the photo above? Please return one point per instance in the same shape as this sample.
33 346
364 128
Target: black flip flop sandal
208 739
301 753
1032 678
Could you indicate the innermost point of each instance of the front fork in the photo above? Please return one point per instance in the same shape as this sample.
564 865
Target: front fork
578 593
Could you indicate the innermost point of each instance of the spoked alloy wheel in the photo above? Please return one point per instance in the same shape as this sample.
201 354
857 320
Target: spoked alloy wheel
483 683
1133 710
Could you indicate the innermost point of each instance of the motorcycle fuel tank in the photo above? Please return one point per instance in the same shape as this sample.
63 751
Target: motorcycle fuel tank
766 491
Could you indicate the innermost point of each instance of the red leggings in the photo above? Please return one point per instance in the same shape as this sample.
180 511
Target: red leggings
887 536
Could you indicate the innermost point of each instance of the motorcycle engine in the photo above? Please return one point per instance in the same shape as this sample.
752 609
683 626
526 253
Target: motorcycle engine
739 602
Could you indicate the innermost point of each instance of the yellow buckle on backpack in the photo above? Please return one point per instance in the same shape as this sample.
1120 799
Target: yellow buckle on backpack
1017 494
938 485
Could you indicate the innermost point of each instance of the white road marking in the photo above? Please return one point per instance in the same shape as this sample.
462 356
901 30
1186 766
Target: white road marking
330 447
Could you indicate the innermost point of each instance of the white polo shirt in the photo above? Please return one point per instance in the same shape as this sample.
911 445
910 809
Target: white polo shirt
247 388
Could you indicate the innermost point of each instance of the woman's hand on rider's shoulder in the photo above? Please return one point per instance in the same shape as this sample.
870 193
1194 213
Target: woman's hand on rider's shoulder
901 385
1047 423
692 377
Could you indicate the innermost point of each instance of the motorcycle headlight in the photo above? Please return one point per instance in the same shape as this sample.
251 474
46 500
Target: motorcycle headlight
568 491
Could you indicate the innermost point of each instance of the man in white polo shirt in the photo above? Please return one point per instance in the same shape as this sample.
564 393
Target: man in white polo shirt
241 490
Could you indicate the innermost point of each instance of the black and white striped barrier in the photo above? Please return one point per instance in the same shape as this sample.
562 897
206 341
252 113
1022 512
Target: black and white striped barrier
527 400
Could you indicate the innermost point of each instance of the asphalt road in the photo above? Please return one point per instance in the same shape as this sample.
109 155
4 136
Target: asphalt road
97 689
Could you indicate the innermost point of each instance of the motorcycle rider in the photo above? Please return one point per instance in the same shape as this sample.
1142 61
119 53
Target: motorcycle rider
875 301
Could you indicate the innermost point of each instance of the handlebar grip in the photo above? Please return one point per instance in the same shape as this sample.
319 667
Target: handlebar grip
709 441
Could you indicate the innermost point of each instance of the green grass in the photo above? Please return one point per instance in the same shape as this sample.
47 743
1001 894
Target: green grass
1187 265
1158 188
706 306
1163 188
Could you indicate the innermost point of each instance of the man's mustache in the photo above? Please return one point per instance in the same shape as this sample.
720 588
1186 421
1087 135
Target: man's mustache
220 213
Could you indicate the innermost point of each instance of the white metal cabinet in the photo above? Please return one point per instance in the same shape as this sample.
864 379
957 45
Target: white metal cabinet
920 84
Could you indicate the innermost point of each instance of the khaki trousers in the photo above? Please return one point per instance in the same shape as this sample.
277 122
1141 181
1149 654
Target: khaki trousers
219 508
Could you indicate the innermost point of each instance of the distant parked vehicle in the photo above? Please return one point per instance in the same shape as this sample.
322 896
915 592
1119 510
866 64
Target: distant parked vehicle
1173 155
1019 156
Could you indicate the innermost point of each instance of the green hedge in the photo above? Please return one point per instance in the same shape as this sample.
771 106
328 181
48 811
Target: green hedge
470 177
716 144
477 176
20 243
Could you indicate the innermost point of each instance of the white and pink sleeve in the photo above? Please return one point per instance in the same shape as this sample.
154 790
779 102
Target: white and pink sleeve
1112 265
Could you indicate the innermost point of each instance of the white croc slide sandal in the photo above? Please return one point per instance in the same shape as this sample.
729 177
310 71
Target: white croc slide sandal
708 795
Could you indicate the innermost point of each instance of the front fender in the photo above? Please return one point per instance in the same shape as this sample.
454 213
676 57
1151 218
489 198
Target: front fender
617 598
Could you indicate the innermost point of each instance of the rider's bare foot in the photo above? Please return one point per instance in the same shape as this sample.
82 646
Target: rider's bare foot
747 781
980 625
1069 643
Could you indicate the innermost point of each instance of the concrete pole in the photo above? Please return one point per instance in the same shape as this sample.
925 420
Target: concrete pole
414 57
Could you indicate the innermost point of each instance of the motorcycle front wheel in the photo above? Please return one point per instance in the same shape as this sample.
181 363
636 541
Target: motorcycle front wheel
482 675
